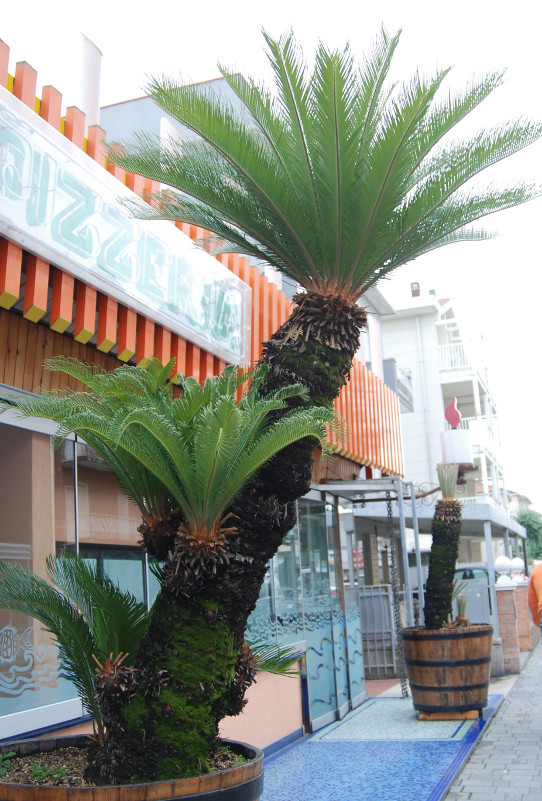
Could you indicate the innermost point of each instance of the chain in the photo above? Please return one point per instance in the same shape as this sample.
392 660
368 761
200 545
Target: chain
396 590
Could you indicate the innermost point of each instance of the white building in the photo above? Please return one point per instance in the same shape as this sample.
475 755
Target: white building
424 341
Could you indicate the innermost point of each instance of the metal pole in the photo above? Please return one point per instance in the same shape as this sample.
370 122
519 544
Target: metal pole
491 571
408 597
421 594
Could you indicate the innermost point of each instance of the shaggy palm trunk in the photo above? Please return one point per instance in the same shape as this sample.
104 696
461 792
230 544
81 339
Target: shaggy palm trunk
446 529
168 726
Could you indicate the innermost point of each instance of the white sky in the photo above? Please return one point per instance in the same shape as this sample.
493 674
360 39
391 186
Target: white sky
496 286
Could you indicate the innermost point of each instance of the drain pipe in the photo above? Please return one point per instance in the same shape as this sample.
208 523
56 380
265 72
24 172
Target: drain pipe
421 363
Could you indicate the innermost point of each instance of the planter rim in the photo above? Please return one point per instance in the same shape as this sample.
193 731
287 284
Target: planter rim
421 633
79 740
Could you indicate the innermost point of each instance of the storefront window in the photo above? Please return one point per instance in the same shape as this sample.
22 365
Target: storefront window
30 674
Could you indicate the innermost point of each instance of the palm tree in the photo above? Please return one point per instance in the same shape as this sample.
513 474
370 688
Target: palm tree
97 627
446 530
183 460
336 178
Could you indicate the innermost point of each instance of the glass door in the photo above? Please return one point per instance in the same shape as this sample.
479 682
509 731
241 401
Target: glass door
337 609
352 566
319 637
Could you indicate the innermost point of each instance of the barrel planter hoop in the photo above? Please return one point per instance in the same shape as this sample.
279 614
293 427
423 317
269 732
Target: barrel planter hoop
242 783
448 669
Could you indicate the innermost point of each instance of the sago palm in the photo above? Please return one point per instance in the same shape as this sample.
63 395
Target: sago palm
336 177
97 627
184 460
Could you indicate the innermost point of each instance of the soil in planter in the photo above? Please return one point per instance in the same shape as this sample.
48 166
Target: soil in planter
65 767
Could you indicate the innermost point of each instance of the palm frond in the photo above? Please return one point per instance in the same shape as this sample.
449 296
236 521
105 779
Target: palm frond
337 177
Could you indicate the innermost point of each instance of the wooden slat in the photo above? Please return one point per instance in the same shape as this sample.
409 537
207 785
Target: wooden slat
31 350
145 340
4 63
11 257
162 344
136 183
4 327
36 288
11 350
206 365
96 144
74 126
178 352
51 106
107 323
24 86
62 300
126 346
193 360
85 312
255 342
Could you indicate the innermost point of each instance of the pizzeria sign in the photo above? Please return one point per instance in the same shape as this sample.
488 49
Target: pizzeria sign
59 204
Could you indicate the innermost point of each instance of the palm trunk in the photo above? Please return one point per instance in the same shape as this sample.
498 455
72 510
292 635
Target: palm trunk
197 631
446 529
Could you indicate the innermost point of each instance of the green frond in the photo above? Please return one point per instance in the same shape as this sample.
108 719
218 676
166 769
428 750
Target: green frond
86 615
276 659
338 176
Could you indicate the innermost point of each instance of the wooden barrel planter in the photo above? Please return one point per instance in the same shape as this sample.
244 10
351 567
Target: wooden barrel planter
242 783
448 669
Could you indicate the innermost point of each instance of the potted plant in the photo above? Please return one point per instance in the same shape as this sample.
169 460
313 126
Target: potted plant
193 452
448 662
336 180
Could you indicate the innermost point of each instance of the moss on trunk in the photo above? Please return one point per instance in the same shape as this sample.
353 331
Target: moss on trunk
169 725
446 529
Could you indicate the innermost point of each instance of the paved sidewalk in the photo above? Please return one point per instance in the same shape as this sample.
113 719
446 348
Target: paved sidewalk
506 764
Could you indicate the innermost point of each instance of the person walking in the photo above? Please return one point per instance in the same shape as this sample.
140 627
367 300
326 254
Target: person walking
535 594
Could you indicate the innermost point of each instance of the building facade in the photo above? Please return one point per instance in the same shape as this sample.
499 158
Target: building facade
424 339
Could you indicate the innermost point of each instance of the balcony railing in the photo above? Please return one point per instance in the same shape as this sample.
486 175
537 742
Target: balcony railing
452 357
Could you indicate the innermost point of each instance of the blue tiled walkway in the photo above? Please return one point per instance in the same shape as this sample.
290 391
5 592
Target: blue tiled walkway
378 752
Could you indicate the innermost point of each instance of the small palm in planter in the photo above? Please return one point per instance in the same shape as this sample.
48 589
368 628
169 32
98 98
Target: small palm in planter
183 461
448 662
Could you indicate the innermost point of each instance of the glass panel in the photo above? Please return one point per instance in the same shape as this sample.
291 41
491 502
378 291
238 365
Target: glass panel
287 590
31 477
262 621
337 614
318 623
105 515
351 563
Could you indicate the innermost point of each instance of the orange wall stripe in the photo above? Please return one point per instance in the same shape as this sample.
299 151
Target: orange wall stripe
85 312
11 257
4 63
145 340
136 183
193 361
206 365
218 365
24 86
126 346
255 348
273 308
162 344
96 144
263 324
150 187
51 106
74 126
61 300
178 352
36 288
107 323
112 168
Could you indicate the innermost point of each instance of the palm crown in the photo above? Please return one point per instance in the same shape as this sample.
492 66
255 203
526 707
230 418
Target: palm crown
338 177
193 453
